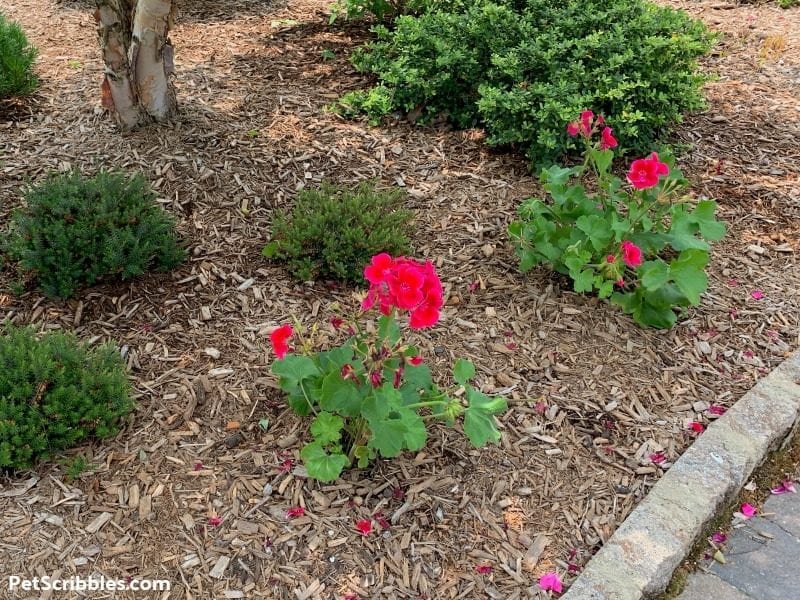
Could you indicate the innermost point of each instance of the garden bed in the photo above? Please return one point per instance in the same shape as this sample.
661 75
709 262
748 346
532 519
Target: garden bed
591 394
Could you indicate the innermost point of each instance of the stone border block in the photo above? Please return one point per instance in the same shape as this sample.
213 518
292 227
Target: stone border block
640 557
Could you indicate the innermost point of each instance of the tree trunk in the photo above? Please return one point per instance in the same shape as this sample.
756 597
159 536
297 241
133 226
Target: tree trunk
138 56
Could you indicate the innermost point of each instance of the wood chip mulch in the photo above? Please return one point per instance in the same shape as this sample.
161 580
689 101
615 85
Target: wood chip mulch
592 395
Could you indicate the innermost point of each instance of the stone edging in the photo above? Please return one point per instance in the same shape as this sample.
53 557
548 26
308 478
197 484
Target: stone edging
640 557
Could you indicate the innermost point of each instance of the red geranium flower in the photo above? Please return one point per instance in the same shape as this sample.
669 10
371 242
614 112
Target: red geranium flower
416 360
586 118
573 129
379 268
644 172
280 340
607 140
631 254
425 315
406 286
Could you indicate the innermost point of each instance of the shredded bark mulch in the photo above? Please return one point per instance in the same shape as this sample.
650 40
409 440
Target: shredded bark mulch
591 394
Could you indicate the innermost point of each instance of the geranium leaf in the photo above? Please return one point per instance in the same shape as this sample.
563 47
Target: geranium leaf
479 423
320 465
688 273
340 395
654 274
327 428
293 369
463 371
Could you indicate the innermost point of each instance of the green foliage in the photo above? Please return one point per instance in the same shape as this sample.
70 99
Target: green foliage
522 68
76 231
16 61
333 232
54 394
787 3
366 396
583 235
388 10
76 466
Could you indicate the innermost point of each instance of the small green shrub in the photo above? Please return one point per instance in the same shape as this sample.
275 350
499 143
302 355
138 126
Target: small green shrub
55 393
333 231
78 230
16 61
522 68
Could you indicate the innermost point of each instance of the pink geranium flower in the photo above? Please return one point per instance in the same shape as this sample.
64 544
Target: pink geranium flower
279 339
644 172
631 254
551 581
607 139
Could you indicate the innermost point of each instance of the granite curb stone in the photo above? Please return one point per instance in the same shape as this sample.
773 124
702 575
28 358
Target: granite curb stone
640 557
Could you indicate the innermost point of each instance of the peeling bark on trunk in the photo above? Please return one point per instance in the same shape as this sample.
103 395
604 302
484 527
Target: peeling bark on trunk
138 56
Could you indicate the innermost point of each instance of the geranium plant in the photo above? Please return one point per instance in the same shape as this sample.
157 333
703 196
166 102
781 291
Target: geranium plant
643 244
373 394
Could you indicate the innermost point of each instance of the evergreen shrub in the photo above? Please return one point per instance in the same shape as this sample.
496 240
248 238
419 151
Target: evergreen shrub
55 393
333 231
76 231
16 61
520 69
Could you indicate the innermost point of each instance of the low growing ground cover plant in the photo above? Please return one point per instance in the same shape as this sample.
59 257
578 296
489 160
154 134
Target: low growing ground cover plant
333 231
373 394
55 393
17 56
522 68
644 245
76 231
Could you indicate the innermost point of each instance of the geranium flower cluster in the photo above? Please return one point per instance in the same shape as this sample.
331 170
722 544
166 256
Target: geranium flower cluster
404 284
587 124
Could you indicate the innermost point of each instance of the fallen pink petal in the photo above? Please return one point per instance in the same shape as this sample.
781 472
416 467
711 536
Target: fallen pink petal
551 581
747 510
215 521
484 569
719 538
364 526
697 427
786 487
757 294
295 511
658 457
716 409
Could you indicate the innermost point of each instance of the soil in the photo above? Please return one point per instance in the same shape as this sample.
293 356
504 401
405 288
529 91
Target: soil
591 394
